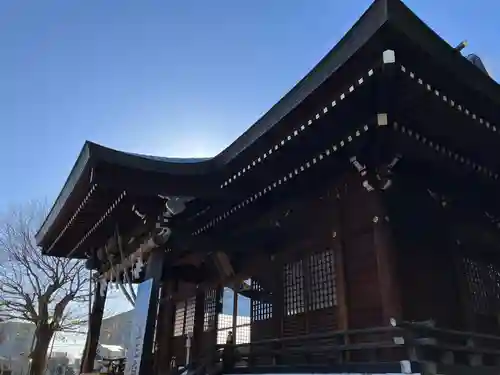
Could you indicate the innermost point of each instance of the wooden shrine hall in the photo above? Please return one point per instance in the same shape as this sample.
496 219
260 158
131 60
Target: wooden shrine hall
361 216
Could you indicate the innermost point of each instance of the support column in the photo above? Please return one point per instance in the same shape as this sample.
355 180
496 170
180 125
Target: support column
95 320
386 267
162 327
278 308
340 284
369 256
166 328
369 259
199 322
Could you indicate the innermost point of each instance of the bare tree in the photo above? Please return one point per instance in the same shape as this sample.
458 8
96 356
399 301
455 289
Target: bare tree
46 291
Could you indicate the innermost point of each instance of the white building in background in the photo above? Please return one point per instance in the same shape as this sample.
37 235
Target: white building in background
16 339
110 351
116 329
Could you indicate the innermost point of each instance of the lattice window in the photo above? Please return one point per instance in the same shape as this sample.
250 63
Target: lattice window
210 309
224 321
322 293
260 310
293 280
180 313
242 334
494 274
483 280
190 310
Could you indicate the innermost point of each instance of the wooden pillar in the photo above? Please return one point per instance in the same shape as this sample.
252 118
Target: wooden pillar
278 300
166 329
95 320
386 268
382 235
199 322
139 355
278 297
369 258
340 284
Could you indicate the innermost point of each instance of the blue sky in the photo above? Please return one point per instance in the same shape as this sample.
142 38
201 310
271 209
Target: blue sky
172 78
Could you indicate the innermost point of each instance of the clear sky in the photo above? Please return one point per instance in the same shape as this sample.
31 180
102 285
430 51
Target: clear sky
174 78
165 77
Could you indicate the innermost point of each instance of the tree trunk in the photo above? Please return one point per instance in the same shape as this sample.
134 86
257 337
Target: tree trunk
39 354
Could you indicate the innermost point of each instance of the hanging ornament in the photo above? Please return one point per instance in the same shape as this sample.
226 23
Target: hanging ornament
103 286
136 272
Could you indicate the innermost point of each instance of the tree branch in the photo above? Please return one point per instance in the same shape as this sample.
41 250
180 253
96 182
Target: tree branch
36 288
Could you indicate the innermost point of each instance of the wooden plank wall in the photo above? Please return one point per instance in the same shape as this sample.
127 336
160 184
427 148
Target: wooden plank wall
301 277
347 225
482 282
429 280
352 263
429 260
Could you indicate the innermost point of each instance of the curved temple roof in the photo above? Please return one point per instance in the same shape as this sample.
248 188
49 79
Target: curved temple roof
195 176
93 154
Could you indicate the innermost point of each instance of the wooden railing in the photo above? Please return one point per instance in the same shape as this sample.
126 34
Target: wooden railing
417 345
446 347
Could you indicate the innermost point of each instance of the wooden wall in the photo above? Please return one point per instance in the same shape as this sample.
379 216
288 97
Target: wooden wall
441 278
481 297
356 259
340 271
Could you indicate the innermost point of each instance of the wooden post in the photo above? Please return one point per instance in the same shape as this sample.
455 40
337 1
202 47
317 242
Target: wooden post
368 257
386 267
382 235
164 336
278 308
199 322
95 321
340 277
340 282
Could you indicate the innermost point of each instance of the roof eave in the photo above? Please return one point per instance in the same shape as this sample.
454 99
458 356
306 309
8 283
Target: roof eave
74 177
363 30
405 21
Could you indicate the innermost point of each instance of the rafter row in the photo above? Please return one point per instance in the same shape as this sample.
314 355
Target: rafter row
339 98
